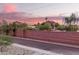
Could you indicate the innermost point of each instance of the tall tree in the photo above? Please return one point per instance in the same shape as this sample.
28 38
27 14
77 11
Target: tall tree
71 23
14 27
71 20
24 27
5 27
67 21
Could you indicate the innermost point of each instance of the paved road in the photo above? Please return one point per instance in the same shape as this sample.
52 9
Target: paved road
46 46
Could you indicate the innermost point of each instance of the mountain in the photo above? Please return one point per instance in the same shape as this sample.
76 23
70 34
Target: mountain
14 15
26 18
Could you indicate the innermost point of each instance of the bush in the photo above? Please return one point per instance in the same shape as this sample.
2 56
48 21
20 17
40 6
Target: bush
56 24
46 26
72 28
4 42
60 27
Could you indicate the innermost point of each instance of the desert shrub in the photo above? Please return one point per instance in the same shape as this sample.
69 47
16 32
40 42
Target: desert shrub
46 26
72 28
4 42
61 27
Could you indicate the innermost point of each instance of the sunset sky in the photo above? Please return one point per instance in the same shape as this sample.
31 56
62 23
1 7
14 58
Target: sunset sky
40 9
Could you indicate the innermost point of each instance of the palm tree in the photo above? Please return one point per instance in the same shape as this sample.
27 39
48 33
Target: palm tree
67 21
71 20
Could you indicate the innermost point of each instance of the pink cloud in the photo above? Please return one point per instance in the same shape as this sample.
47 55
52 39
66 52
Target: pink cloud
9 8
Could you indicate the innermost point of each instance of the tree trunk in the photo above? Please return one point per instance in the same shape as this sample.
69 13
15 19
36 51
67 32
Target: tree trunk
14 32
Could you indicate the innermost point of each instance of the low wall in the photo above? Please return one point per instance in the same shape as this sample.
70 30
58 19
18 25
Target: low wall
62 37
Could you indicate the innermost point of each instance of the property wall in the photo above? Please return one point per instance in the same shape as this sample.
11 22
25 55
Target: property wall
63 37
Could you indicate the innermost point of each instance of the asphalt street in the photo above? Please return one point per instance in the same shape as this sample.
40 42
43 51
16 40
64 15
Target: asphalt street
64 50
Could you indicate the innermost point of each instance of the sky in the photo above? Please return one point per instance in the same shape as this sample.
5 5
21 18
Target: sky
41 9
